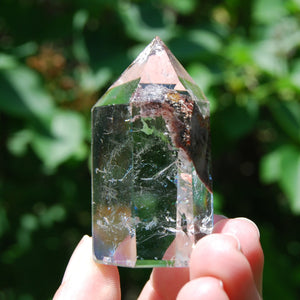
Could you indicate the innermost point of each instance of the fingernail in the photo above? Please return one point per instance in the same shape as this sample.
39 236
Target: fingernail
238 244
218 218
221 284
222 216
251 222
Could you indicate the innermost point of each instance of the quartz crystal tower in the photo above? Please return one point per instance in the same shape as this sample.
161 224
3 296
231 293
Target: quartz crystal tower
151 176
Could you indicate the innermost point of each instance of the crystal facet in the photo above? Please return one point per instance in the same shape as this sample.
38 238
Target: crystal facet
151 177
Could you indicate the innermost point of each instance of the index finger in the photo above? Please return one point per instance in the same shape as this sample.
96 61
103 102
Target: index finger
248 235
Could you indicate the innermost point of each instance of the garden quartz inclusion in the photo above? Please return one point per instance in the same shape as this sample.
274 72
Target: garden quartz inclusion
151 180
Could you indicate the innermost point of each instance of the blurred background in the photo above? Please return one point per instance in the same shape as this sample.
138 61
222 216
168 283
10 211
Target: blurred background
58 56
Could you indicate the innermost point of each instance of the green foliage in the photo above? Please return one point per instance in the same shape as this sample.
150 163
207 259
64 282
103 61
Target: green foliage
58 57
283 166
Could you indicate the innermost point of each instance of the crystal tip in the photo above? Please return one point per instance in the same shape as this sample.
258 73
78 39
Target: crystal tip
157 40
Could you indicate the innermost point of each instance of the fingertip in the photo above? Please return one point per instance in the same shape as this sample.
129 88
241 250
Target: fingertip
251 224
215 242
208 288
211 251
84 276
236 226
148 292
81 250
219 256
248 234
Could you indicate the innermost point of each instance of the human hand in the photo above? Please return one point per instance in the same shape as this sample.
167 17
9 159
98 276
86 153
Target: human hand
227 264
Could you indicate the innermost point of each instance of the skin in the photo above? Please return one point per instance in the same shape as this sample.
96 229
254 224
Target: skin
227 264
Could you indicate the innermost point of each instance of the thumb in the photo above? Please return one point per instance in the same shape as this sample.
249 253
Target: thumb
85 279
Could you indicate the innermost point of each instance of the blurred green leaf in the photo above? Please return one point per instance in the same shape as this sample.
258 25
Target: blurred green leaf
143 22
269 11
93 81
206 39
295 74
26 49
55 213
287 115
183 7
239 51
201 75
276 43
294 5
7 61
283 166
67 131
204 78
17 144
270 167
79 47
287 34
29 222
24 95
290 176
266 57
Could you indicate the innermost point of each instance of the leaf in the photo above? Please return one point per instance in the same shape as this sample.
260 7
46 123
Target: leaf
270 166
239 51
55 213
79 47
283 166
67 131
93 81
183 7
268 11
17 144
23 95
295 74
206 39
287 115
290 176
266 57
7 61
29 222
201 75
143 22
277 41
25 50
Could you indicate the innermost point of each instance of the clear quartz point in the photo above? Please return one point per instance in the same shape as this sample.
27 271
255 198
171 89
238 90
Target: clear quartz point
151 176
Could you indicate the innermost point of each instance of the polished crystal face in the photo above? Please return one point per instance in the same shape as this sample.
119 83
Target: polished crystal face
151 177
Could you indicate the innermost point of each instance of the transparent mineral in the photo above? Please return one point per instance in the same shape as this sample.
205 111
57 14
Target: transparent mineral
151 176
